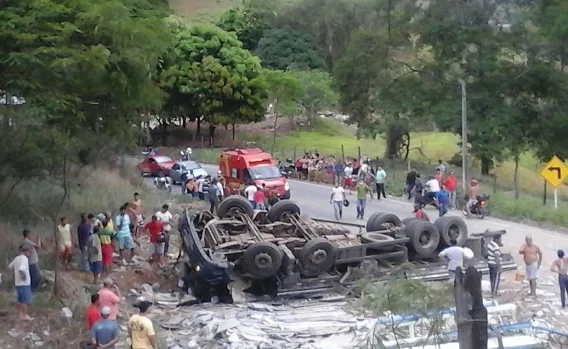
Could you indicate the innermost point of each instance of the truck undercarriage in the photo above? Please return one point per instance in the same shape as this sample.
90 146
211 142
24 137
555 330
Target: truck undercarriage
281 252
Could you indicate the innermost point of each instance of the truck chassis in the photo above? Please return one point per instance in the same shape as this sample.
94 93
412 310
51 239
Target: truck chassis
280 252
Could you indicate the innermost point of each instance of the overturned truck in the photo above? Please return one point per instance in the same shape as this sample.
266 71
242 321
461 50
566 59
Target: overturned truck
283 252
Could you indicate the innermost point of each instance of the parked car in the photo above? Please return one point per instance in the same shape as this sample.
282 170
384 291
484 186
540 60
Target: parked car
154 165
181 169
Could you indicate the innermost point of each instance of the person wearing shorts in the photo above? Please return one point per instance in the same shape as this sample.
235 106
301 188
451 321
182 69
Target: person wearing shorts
22 280
95 255
64 242
156 230
125 240
532 256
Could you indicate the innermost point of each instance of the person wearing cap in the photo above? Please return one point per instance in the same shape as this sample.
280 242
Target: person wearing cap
105 332
141 330
21 267
109 296
32 241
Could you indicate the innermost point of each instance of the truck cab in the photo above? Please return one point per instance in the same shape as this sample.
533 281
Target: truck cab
242 167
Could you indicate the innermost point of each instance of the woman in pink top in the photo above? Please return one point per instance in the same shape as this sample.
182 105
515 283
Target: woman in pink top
109 296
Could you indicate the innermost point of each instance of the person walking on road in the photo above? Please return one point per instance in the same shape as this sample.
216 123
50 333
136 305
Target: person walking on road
380 178
337 198
454 255
494 263
532 256
451 184
410 182
560 266
362 189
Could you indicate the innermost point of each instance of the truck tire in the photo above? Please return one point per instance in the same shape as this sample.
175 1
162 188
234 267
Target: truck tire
452 227
262 260
376 221
406 221
234 204
317 256
424 238
369 238
281 209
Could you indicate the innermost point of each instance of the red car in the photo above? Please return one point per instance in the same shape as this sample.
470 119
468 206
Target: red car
153 165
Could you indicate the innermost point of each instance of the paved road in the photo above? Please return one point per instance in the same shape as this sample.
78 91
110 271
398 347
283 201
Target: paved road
313 199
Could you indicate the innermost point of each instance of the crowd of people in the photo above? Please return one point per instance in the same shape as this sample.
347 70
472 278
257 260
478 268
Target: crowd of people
91 247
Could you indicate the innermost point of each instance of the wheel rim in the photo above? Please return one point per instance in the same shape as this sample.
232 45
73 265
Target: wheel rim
388 225
263 261
235 211
425 238
318 257
453 231
285 216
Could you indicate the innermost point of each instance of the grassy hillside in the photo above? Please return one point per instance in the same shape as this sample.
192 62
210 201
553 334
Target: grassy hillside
201 10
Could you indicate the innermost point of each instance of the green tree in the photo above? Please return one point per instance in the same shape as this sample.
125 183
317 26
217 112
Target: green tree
284 92
319 91
282 49
217 75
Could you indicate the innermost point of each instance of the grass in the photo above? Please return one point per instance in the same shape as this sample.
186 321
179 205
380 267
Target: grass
201 11
328 136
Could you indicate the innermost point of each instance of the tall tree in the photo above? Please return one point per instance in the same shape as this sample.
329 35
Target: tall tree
284 49
218 75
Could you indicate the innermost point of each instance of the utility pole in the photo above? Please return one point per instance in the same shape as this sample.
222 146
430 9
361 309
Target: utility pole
464 133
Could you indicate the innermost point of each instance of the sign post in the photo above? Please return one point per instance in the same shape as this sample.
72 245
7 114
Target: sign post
554 173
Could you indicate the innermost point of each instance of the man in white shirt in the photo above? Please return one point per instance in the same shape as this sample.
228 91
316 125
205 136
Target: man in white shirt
249 192
22 279
348 174
432 187
454 255
337 198
166 218
220 190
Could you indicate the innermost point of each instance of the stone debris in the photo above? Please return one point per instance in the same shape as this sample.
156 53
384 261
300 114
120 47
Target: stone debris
296 324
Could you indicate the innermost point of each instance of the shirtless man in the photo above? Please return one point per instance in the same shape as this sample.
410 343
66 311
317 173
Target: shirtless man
473 191
533 258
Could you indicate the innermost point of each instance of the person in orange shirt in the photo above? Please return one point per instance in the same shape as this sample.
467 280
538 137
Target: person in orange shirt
451 184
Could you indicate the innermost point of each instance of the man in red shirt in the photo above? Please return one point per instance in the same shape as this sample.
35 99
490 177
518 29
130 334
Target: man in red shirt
94 311
157 239
452 185
260 198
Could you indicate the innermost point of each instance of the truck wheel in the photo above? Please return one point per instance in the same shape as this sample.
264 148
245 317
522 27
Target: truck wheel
368 238
424 237
317 256
235 204
262 260
280 210
382 220
452 227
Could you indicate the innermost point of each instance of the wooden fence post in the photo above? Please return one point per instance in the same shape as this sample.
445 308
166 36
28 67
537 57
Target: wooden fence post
358 152
342 154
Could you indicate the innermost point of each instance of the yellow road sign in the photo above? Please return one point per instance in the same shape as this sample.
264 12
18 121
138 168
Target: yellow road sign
555 172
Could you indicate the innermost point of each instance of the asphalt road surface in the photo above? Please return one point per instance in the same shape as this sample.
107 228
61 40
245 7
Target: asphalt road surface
313 199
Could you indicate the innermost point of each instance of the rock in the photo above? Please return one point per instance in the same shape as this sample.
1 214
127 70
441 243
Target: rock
146 288
156 287
67 313
14 333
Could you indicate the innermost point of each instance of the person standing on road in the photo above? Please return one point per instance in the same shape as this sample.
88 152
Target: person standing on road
410 182
532 256
348 177
250 190
443 199
454 255
494 263
212 197
362 189
33 242
166 218
141 330
21 267
340 171
380 178
451 184
560 266
337 198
